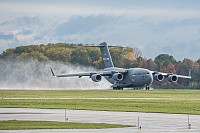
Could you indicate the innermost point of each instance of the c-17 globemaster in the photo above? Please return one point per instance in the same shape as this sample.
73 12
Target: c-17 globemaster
125 78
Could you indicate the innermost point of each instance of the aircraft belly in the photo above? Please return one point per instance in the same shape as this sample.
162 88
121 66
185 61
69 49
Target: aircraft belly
133 81
111 80
141 81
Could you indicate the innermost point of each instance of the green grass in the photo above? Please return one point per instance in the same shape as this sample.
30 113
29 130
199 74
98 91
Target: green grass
177 101
99 94
21 125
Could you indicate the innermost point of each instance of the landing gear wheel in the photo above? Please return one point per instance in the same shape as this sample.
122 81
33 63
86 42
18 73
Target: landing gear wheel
147 87
118 88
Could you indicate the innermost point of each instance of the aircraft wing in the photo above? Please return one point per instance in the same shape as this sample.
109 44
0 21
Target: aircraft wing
103 73
71 75
168 74
110 73
182 76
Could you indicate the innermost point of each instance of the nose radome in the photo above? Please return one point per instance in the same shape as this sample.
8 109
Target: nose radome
149 79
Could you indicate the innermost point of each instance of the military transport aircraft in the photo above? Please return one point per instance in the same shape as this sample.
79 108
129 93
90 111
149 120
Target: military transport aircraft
125 78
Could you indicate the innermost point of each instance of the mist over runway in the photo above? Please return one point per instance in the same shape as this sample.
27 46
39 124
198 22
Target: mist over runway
37 75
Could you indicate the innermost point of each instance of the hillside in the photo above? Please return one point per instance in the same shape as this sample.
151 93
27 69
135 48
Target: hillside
80 54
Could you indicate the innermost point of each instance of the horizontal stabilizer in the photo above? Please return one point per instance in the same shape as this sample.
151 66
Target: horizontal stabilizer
103 44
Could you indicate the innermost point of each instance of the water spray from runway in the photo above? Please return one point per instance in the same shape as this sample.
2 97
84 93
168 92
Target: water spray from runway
37 75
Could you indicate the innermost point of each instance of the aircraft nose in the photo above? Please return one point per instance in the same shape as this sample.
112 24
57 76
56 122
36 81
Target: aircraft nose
149 79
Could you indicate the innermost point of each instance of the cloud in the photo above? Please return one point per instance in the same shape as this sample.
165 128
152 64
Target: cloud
6 36
155 27
80 24
133 8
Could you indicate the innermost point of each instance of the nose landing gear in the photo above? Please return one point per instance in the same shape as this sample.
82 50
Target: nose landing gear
147 87
118 88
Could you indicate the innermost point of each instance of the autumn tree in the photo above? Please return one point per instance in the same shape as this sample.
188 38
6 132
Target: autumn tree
98 63
33 55
151 65
93 56
79 56
137 52
164 60
171 68
59 54
182 69
194 66
117 56
9 54
143 63
162 67
129 58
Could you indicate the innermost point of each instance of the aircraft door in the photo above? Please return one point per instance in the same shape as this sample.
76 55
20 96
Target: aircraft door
133 78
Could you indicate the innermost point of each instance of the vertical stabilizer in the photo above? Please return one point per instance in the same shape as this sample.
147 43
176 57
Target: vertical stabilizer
107 60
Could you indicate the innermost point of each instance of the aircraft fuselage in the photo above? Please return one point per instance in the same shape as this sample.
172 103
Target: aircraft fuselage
125 78
133 77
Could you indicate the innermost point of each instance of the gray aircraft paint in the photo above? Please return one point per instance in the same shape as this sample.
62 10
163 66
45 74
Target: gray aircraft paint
107 60
125 78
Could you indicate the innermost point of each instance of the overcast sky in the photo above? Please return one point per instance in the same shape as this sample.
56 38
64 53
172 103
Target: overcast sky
154 26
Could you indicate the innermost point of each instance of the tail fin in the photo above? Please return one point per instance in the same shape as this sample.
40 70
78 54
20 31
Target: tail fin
107 60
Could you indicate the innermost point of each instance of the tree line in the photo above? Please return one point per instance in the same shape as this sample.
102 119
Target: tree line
126 57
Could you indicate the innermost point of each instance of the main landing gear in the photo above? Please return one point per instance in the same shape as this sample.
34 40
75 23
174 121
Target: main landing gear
118 88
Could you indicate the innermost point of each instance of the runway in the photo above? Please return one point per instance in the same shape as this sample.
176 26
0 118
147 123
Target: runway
149 122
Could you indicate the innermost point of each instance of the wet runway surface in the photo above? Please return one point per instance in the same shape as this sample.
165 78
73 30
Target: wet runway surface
149 122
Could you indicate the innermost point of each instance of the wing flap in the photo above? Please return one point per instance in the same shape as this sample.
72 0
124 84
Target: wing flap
77 74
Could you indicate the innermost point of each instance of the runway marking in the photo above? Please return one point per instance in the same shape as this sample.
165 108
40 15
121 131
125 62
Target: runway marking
150 122
22 113
69 98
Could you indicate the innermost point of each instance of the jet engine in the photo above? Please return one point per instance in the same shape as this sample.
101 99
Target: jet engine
96 77
117 76
172 78
158 77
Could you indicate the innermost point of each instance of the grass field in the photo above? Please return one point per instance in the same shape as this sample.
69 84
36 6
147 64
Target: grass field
165 101
191 94
20 125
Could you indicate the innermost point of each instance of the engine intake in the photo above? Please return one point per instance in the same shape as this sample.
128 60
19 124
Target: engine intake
172 78
117 76
158 77
96 77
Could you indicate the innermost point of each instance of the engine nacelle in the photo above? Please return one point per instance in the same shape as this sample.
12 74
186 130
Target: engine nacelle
172 78
117 76
96 77
158 77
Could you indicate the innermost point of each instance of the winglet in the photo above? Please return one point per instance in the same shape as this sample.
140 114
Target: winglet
189 72
52 72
